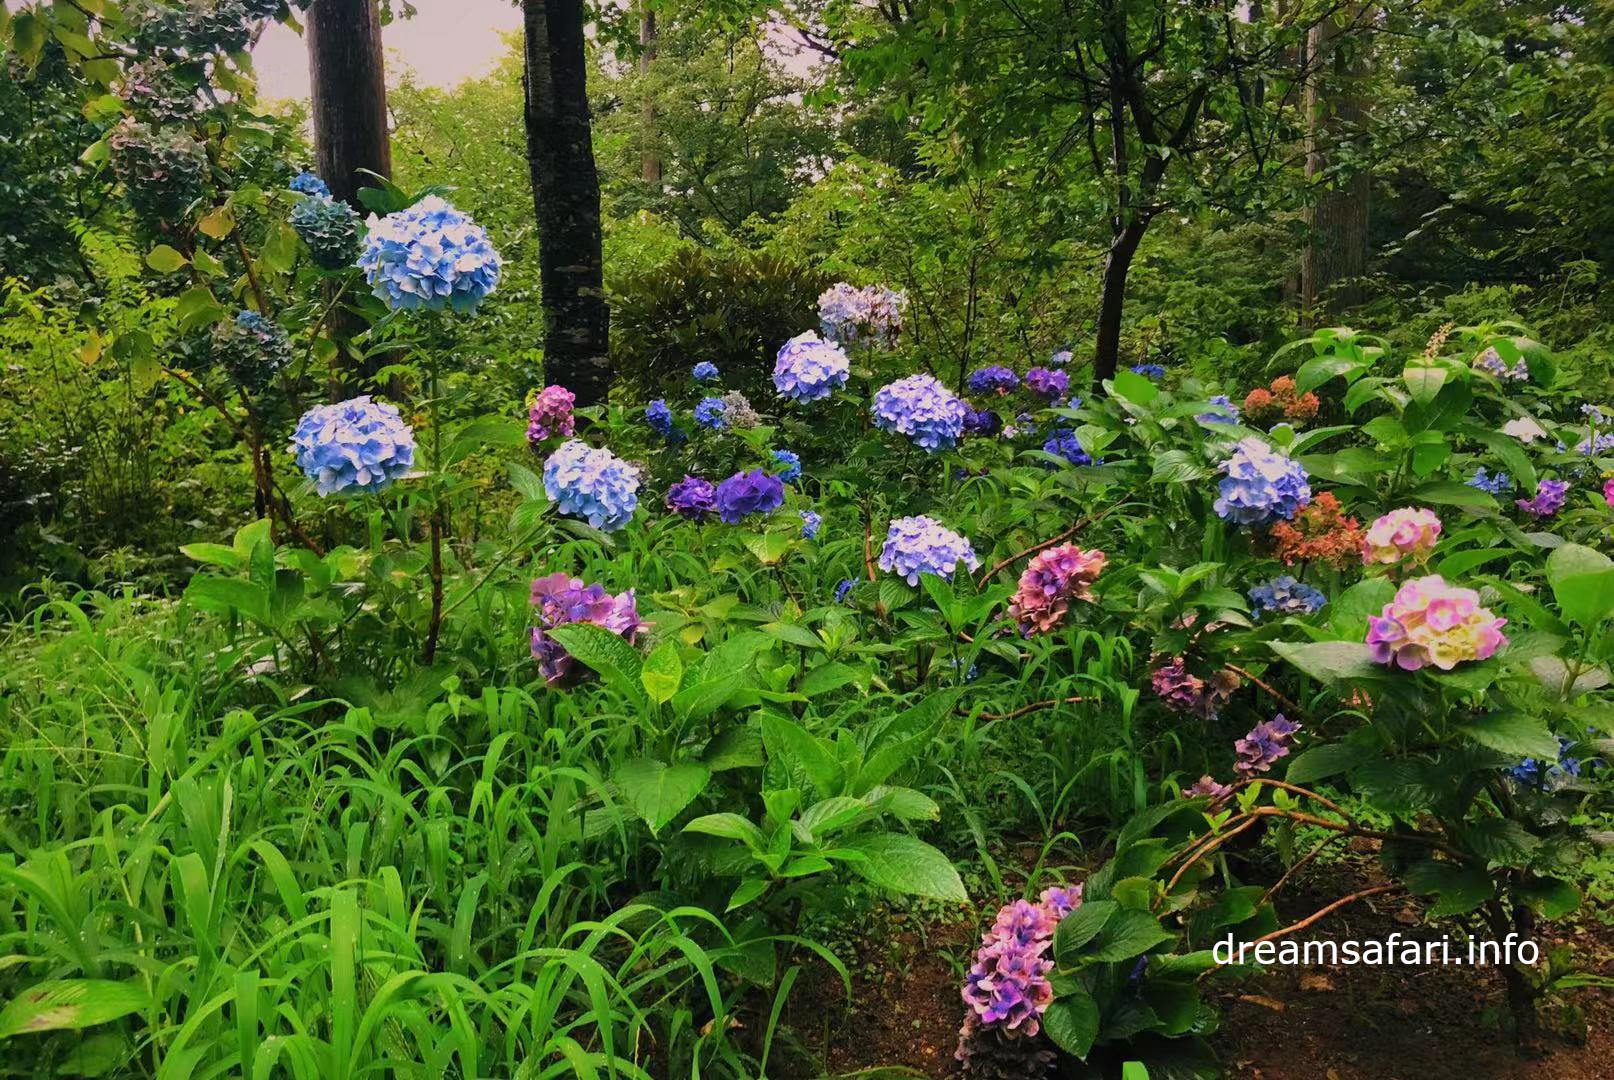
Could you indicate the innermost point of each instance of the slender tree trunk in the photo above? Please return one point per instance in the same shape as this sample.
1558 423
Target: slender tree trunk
1112 298
1335 257
349 93
566 191
649 158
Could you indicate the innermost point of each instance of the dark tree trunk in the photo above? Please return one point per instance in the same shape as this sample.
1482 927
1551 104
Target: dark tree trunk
566 191
1112 299
349 92
649 156
1335 257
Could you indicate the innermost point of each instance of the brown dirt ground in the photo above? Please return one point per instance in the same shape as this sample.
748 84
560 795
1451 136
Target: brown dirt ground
1345 1023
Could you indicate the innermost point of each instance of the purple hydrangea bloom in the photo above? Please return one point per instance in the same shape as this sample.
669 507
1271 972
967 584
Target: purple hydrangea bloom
1263 746
551 414
1261 486
982 422
709 413
993 379
1498 483
1548 499
593 484
924 410
1225 412
563 600
1061 900
429 256
919 545
808 369
792 465
746 493
811 521
692 497
1064 443
1207 785
704 372
1284 595
1185 692
354 445
1047 383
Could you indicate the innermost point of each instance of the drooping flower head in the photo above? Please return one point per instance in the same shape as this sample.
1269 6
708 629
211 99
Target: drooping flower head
811 522
1048 384
993 379
791 465
1185 692
1263 746
551 414
429 256
1284 595
1223 411
1548 499
251 348
692 497
1007 989
330 229
704 372
1432 623
1497 483
1261 486
1320 532
593 484
709 413
562 600
1405 535
808 369
921 545
924 410
353 446
747 493
1051 582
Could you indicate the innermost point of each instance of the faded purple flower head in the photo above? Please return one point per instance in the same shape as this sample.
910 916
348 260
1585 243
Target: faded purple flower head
692 498
1207 785
993 379
563 600
1548 500
1047 383
746 493
551 414
1185 692
1263 746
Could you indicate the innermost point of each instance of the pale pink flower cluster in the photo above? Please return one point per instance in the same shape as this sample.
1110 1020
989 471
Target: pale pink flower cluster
1431 622
1405 535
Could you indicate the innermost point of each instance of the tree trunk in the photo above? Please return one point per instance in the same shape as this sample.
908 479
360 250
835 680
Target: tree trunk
1334 260
649 158
1117 264
566 191
349 92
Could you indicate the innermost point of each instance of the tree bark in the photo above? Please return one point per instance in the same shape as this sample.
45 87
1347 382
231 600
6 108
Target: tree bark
349 93
1334 260
649 157
1112 298
566 194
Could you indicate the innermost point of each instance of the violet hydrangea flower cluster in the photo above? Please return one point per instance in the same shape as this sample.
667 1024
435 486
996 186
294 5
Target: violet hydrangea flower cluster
551 414
1430 622
709 413
1548 500
922 545
1261 485
660 418
356 445
1051 582
429 256
847 314
1185 692
1405 535
692 497
1263 746
561 601
1283 595
1047 383
593 484
747 493
993 379
811 522
924 410
808 369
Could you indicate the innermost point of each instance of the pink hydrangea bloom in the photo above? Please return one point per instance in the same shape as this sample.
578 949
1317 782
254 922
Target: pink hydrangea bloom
1051 581
1608 491
1431 622
551 414
1405 535
1007 988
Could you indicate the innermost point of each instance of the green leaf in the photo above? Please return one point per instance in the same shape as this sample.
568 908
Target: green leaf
794 634
1424 380
228 596
662 673
798 750
213 555
659 792
616 661
1072 1022
165 260
1125 934
826 678
1329 759
1515 734
70 1004
1457 888
1451 493
1330 661
1079 927
1583 582
1552 898
729 827
906 865
1135 388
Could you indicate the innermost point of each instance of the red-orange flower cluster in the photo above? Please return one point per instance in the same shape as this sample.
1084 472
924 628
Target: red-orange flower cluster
1281 399
1320 532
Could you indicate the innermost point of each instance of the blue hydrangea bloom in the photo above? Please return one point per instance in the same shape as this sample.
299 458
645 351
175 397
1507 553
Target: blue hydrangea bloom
1064 443
1286 596
810 523
844 586
1497 483
1543 775
429 256
993 379
921 408
659 417
982 422
792 465
808 369
704 372
746 493
1260 485
1149 371
709 413
1225 411
921 545
592 484
354 445
330 228
307 183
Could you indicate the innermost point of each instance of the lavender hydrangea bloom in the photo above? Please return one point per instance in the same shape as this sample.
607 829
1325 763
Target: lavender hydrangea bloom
811 521
1498 483
847 313
353 445
592 484
792 465
1285 596
1047 383
924 410
1596 444
1060 358
704 372
1261 486
563 600
709 413
1548 499
1064 443
692 497
1149 371
329 228
921 545
993 379
1225 411
429 256
1263 746
307 183
746 493
808 369
1490 361
659 417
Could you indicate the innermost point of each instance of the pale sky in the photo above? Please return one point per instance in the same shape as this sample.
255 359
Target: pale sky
446 42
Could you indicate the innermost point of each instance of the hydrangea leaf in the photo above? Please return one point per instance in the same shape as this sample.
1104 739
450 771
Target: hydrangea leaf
904 864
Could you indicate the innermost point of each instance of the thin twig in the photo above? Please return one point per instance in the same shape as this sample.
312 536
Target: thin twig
1309 920
1046 544
1285 702
1033 707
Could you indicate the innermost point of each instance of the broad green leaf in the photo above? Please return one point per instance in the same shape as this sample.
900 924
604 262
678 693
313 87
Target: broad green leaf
730 827
1079 927
662 673
1514 733
1072 1022
797 749
1125 934
906 865
659 792
1451 493
1329 759
1330 661
1583 582
616 661
1551 897
70 1004
794 634
165 260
